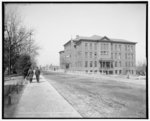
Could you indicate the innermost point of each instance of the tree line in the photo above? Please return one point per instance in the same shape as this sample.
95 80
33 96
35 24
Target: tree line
20 49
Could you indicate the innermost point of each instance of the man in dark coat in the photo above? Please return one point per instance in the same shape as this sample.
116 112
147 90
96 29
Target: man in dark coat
37 74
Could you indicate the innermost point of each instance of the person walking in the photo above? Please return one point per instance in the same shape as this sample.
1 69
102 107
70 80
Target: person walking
30 75
37 74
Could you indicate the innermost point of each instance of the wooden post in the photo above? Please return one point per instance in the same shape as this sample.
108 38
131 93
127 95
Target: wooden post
9 99
17 90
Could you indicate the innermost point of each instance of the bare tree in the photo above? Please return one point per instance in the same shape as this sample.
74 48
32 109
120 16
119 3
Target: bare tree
141 68
17 40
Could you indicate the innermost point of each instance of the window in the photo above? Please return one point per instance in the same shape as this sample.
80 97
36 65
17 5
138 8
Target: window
115 55
126 47
80 63
112 65
126 56
90 63
111 46
115 64
79 53
115 47
119 56
131 48
116 71
112 55
120 63
104 52
132 56
86 45
120 47
95 46
106 46
101 46
119 71
95 63
86 54
95 54
90 45
86 63
75 64
90 54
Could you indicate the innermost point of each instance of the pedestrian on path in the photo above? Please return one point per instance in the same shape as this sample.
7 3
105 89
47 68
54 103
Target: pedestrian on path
37 74
30 75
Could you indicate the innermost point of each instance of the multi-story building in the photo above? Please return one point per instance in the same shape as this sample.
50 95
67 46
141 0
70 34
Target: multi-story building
62 60
99 55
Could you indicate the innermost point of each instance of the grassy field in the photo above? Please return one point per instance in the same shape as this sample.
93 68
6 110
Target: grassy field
99 97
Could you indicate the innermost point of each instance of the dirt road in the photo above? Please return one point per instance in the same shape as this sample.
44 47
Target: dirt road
99 97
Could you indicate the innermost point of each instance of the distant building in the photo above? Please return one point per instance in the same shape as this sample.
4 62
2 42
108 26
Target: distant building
62 59
99 55
53 67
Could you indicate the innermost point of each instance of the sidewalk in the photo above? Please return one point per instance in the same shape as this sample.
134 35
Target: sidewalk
41 100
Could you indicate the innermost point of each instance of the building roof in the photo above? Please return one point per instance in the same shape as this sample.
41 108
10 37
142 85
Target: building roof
122 40
74 40
97 38
103 39
94 37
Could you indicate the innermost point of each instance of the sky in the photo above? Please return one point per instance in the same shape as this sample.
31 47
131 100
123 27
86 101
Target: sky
55 24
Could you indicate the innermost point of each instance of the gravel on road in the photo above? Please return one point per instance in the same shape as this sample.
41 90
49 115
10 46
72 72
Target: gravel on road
100 98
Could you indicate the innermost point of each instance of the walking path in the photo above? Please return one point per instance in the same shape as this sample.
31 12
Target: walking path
41 100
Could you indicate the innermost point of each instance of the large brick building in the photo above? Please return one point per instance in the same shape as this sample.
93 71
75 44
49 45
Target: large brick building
99 55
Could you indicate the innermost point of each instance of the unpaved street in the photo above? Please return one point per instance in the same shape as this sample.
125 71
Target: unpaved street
99 97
